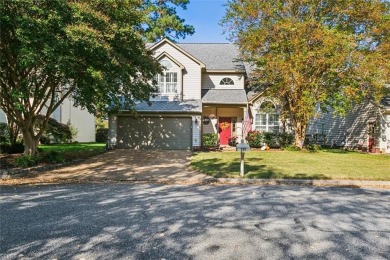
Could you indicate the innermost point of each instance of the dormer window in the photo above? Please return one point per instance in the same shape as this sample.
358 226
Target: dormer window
226 81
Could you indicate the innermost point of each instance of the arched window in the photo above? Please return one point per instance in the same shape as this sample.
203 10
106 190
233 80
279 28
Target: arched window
267 118
168 80
226 81
167 64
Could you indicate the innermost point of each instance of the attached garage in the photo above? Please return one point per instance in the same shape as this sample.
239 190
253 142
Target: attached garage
148 132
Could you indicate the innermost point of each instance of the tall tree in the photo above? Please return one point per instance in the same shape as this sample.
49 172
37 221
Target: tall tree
162 20
91 50
309 52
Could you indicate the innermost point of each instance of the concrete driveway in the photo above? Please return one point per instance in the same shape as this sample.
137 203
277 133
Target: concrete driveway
124 165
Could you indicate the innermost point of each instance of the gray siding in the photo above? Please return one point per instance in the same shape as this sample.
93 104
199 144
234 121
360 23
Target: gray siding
350 131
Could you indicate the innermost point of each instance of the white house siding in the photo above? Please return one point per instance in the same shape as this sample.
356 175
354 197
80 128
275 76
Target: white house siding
82 120
196 129
212 80
386 143
3 118
79 118
112 129
192 73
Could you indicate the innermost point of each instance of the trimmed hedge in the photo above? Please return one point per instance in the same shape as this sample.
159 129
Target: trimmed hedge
257 139
210 140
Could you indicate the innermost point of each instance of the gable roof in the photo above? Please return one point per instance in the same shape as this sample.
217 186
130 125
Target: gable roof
224 96
164 54
212 56
216 56
153 46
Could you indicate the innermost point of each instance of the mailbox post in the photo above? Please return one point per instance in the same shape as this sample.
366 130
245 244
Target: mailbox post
242 148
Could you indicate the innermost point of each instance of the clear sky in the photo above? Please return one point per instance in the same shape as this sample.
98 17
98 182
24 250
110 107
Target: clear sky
204 15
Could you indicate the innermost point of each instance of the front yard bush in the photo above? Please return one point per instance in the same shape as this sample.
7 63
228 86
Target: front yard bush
26 161
210 140
257 139
101 135
11 149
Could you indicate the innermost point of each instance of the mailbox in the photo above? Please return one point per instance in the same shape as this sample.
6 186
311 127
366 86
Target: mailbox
243 147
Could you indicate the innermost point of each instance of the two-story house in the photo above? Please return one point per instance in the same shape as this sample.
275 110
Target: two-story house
200 91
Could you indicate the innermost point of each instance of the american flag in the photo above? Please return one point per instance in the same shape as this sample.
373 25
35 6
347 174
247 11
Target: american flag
246 125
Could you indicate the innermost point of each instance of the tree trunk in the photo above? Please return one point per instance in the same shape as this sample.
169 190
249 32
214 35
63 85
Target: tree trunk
30 142
300 134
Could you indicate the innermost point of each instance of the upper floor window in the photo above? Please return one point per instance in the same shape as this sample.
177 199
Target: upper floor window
166 64
226 81
167 82
267 118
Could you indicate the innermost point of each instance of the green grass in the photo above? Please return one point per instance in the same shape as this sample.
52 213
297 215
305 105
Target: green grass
324 165
74 151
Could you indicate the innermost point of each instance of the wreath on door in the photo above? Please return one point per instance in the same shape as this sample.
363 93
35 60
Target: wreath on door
225 125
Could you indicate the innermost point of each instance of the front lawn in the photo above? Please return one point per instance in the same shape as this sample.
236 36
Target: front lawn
325 164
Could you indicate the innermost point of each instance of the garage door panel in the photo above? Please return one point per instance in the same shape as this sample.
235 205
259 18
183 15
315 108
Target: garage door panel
154 133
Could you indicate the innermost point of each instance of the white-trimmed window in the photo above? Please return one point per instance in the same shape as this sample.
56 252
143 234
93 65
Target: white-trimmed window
167 82
267 118
226 81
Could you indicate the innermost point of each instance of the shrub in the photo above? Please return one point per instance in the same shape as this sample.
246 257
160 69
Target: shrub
286 139
255 139
273 140
11 149
4 133
313 147
101 135
26 161
44 139
58 132
53 157
210 140
232 141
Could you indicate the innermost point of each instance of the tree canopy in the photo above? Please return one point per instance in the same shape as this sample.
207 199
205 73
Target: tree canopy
310 52
91 50
163 21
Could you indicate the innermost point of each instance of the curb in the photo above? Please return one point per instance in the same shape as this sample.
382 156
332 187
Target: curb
337 183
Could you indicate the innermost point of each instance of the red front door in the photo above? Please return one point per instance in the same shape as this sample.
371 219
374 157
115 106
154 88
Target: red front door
225 130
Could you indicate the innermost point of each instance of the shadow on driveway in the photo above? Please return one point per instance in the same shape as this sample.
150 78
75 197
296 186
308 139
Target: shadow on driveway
123 165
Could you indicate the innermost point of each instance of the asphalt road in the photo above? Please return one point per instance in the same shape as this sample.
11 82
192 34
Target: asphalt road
127 221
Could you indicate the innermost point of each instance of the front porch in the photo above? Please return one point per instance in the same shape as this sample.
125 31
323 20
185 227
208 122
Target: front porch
225 121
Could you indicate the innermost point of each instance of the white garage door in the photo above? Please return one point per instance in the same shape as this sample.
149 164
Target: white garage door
154 133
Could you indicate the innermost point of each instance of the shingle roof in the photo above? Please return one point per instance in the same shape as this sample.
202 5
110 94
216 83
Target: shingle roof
216 56
224 96
189 106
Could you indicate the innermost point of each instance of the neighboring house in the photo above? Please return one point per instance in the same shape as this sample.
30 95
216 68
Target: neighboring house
79 118
202 90
366 127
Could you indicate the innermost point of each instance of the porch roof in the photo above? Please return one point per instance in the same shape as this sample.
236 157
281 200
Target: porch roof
224 96
188 106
